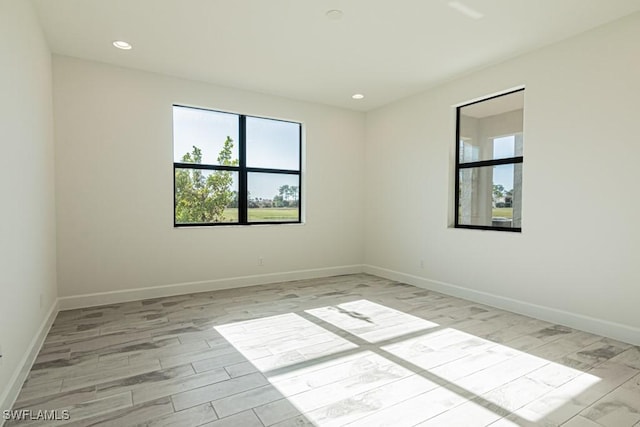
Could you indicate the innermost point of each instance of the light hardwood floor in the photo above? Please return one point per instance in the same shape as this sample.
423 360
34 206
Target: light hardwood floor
352 350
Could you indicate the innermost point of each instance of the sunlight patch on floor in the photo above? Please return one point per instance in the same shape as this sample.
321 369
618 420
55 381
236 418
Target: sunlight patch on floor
365 372
370 321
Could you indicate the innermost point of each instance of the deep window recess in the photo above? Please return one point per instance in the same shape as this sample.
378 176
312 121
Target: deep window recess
235 169
489 158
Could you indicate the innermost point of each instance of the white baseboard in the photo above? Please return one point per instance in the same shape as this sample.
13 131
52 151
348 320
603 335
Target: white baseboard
114 297
602 327
10 394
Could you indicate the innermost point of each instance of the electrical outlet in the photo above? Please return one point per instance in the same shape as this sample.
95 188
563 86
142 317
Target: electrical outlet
1 355
260 261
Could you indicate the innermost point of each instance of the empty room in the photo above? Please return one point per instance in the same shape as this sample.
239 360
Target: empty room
320 213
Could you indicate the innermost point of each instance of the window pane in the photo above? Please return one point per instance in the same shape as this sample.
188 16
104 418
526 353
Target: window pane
273 197
492 129
273 144
491 196
468 151
203 136
206 196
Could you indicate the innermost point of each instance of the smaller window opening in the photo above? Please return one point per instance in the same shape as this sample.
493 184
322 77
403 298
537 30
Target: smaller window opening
489 161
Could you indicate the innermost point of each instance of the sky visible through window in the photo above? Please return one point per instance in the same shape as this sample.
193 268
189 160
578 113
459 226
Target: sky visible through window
270 144
204 129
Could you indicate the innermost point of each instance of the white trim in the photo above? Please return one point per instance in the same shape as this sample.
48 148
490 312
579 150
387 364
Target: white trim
114 297
9 396
594 325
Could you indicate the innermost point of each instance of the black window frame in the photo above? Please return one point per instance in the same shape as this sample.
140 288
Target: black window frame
478 164
243 173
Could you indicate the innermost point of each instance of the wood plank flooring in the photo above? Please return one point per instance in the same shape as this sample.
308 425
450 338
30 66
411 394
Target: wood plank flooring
352 350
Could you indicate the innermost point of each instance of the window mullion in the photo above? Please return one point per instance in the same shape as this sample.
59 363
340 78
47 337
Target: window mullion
205 167
495 162
456 208
279 171
243 195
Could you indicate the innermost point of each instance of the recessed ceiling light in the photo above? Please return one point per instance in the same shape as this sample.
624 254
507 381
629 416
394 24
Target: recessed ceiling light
465 10
334 14
122 45
357 96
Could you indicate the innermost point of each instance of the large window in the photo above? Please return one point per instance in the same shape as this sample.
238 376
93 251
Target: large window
489 158
234 169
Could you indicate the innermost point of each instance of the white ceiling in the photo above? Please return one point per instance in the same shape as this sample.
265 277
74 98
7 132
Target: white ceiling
383 49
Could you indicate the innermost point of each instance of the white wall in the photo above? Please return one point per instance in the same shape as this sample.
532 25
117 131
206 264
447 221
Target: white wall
577 256
114 176
27 222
